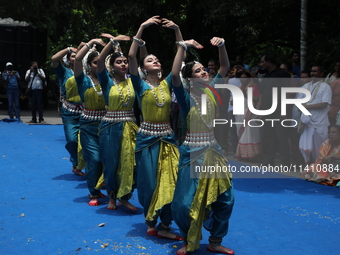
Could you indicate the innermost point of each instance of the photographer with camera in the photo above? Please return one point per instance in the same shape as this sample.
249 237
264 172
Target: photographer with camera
35 77
12 79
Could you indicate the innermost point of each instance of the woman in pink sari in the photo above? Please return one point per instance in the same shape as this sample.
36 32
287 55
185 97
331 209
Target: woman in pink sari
250 143
326 168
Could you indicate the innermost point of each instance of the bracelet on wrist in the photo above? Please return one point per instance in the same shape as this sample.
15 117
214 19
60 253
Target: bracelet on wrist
88 46
140 42
69 50
114 43
181 43
221 43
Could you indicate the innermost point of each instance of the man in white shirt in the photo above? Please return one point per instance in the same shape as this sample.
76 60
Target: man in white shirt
35 77
316 128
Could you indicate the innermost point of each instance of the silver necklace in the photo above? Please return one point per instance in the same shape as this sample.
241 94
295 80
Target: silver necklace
116 82
193 96
154 93
99 93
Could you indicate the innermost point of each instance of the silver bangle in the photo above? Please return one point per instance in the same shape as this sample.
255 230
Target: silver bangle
181 43
140 42
221 43
114 43
88 46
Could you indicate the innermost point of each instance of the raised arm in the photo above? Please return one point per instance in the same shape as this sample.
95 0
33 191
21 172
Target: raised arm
114 42
222 55
142 49
172 25
78 65
133 64
176 67
56 58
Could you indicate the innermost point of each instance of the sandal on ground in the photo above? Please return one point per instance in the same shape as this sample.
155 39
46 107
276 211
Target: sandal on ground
78 172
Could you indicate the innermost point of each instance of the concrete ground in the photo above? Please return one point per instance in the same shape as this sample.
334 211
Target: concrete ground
50 113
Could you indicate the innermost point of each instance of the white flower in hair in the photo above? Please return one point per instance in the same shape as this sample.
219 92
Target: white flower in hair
86 67
141 73
65 60
108 66
186 85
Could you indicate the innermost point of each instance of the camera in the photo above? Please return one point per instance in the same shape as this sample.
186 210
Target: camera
35 68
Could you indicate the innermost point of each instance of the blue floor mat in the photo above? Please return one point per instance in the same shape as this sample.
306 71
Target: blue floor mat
43 208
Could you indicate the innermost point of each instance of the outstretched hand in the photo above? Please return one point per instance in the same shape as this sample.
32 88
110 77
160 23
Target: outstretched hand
192 43
151 21
98 42
215 41
169 24
116 38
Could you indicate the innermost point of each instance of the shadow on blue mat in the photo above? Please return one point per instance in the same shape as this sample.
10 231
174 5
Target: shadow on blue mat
11 120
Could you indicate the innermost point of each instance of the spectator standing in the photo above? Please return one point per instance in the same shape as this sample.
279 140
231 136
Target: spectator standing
274 137
294 136
316 124
12 79
35 77
231 117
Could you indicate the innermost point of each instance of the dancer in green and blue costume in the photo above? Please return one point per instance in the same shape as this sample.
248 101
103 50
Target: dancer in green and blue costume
117 131
201 198
156 149
71 105
92 97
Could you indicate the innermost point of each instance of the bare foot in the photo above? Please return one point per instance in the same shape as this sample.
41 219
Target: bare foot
151 231
182 251
112 204
220 249
93 202
167 235
127 205
78 172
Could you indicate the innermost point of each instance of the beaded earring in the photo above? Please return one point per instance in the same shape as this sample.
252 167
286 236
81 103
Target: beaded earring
191 83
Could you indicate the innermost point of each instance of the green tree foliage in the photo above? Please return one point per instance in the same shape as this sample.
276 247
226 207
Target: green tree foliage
250 27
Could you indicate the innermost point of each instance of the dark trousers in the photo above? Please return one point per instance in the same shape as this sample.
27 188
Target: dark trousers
233 132
37 104
13 95
275 139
